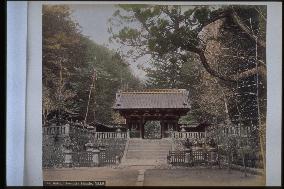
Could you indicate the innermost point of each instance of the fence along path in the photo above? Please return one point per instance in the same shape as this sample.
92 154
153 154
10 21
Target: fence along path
197 135
176 157
195 156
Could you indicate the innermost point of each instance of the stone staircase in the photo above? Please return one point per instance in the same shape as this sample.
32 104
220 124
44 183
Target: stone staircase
146 152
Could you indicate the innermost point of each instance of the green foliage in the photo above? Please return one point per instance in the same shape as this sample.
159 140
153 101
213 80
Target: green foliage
173 36
69 61
152 129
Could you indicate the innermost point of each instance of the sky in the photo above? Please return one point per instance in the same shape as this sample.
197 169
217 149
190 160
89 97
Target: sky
93 20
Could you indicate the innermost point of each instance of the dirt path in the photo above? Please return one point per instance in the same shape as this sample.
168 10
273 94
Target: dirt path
149 176
200 177
113 177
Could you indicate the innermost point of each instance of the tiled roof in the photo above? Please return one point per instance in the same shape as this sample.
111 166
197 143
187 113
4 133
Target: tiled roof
152 99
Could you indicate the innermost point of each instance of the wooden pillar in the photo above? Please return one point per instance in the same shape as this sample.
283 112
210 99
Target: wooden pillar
175 123
142 127
162 123
128 124
162 127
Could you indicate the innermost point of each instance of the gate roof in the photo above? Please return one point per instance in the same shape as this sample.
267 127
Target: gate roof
152 99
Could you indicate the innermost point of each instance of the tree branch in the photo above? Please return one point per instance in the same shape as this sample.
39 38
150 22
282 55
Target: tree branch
261 70
236 19
210 70
207 67
243 27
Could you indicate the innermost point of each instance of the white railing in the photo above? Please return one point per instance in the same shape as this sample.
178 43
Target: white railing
103 135
197 135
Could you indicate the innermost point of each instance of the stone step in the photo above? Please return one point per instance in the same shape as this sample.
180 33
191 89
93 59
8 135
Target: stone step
141 162
150 144
149 150
143 142
148 153
147 143
153 144
146 157
140 148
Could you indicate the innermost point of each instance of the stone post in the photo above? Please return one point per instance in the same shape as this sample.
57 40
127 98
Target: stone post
89 146
67 151
91 131
118 133
212 155
67 157
187 156
128 134
67 129
183 132
95 158
117 159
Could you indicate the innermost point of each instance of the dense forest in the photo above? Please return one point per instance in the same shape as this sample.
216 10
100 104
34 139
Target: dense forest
79 76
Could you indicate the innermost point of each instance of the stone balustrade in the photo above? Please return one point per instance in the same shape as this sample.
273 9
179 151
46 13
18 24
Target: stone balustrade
68 129
197 135
56 130
105 135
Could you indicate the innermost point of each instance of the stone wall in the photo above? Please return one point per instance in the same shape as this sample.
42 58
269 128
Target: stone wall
52 151
56 139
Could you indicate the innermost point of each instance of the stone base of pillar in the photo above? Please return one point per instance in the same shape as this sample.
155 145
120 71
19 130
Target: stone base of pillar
67 158
117 160
95 157
188 156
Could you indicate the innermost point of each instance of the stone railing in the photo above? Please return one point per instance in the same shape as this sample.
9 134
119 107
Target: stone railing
56 130
69 129
105 135
197 135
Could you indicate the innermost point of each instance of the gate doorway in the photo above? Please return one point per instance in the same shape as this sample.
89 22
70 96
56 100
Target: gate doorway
152 130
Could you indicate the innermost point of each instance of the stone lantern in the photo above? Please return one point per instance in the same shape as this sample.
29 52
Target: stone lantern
95 153
67 153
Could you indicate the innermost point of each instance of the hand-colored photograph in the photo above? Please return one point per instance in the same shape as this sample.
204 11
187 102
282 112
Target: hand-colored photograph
154 95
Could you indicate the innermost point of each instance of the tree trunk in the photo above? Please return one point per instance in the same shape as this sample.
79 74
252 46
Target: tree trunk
244 163
89 97
218 158
60 89
229 162
261 129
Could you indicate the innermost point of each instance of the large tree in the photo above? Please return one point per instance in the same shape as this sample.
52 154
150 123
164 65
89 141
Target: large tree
228 41
159 30
61 56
